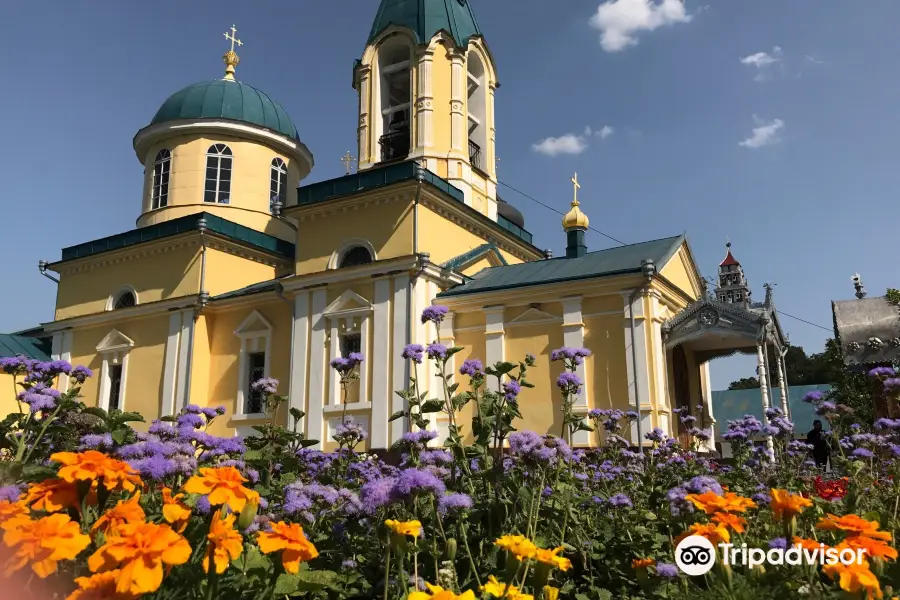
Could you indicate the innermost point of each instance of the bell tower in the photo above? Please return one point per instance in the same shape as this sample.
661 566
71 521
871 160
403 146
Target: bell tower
426 84
732 286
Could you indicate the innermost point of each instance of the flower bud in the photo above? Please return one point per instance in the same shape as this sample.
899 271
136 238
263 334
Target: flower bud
248 515
451 548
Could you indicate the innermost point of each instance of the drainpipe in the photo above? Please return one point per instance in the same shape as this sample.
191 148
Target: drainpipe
420 177
648 269
202 301
42 267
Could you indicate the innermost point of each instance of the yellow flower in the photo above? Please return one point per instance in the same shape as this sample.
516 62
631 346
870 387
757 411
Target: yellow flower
551 593
290 538
410 528
91 465
436 592
224 542
223 485
854 525
642 563
552 558
496 588
174 511
51 495
738 524
10 510
785 504
519 545
140 550
126 511
710 502
42 543
854 578
101 586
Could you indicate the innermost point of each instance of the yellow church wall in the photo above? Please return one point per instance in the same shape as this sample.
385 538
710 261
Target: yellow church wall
226 272
606 369
154 277
200 362
8 392
464 320
678 270
603 304
443 239
250 179
477 267
473 347
541 405
387 226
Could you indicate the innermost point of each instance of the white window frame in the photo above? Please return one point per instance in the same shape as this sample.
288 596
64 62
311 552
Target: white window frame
277 168
338 255
164 163
341 321
255 333
113 298
114 349
220 155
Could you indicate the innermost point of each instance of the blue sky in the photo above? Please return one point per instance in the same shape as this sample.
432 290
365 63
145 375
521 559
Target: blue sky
773 123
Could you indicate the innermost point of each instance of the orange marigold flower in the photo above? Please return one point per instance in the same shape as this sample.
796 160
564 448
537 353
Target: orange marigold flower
290 538
139 550
807 544
854 525
854 578
436 592
223 485
51 495
174 510
519 545
552 558
101 586
710 502
642 563
224 543
736 523
126 511
91 465
714 532
42 543
873 548
10 510
410 528
785 504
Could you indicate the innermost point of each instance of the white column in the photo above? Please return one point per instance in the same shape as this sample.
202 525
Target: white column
706 388
363 129
492 133
364 325
493 335
573 337
182 394
299 356
425 101
400 337
317 366
334 351
659 353
457 104
382 353
637 373
424 333
170 370
782 384
61 349
764 390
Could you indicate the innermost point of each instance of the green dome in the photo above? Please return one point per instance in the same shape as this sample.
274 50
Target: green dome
226 99
427 17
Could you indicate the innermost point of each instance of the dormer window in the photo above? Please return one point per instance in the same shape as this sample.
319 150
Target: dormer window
395 99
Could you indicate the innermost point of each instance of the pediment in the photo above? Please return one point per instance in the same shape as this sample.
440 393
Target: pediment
348 302
115 341
534 316
254 323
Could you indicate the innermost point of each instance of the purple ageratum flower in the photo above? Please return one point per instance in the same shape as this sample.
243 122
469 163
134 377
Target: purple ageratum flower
863 453
576 355
471 367
825 408
688 419
355 358
348 564
761 498
631 415
702 484
778 543
266 385
813 397
80 373
340 364
94 441
10 493
190 420
569 383
413 352
415 482
418 438
212 413
436 351
203 506
667 570
511 390
454 503
13 365
656 435
435 314
596 413
39 398
892 385
882 372
621 500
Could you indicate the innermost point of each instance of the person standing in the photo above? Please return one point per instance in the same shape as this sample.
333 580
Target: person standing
819 442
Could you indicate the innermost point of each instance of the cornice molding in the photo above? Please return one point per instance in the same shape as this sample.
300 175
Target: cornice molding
381 268
351 203
137 251
229 246
140 311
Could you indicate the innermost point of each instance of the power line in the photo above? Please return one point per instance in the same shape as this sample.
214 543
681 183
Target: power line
548 207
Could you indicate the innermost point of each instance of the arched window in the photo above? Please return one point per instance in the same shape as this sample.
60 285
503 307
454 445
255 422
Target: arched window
125 300
277 184
218 174
159 191
477 104
357 255
395 98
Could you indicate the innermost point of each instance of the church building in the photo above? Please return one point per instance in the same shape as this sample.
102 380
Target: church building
238 269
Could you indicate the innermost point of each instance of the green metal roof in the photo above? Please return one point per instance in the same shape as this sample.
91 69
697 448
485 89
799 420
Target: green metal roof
602 263
29 347
255 288
732 405
226 99
427 17
474 254
214 224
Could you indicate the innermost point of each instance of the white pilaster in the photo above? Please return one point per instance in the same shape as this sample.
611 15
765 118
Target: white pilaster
400 337
637 364
299 356
182 394
363 129
170 370
364 325
382 353
573 337
334 351
425 101
457 104
317 366
493 335
764 391
658 353
424 333
61 349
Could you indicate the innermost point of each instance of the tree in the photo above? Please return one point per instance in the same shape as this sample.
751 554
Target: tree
802 369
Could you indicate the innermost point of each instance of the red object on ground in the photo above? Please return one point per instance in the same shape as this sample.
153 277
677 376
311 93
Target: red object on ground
833 489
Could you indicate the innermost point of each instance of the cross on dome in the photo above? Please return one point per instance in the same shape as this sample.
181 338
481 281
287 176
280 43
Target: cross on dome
231 58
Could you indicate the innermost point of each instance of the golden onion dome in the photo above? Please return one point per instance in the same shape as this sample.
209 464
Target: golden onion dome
575 219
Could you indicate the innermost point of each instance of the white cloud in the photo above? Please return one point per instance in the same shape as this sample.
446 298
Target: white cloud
564 144
605 132
764 134
762 61
619 21
813 60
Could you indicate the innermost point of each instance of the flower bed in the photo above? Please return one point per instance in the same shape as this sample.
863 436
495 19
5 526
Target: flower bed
91 508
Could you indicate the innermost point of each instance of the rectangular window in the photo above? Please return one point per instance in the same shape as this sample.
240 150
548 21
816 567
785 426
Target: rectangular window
352 342
115 386
256 370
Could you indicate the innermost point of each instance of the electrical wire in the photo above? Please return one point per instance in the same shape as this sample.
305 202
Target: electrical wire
781 312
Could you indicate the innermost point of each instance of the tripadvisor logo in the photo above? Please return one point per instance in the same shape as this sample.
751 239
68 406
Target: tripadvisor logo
696 555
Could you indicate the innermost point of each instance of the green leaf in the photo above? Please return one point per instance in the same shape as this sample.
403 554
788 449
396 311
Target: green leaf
96 411
432 406
34 472
254 560
397 415
317 580
308 443
252 455
297 413
130 416
286 584
118 435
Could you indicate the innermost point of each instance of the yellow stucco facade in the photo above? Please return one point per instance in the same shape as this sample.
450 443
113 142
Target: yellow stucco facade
204 298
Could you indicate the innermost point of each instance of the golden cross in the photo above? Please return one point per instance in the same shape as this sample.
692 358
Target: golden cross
348 159
577 187
233 39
